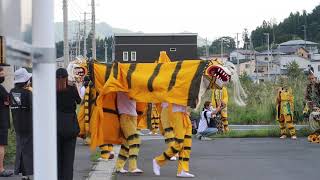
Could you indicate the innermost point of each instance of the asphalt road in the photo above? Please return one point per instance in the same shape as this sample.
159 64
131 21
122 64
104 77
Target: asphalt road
82 164
239 159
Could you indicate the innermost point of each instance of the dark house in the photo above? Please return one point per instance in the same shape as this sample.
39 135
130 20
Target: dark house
140 47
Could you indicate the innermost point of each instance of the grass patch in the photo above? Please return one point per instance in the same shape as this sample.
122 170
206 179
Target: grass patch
11 148
95 156
272 132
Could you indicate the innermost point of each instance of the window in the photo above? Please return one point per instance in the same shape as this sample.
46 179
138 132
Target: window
133 55
125 56
173 49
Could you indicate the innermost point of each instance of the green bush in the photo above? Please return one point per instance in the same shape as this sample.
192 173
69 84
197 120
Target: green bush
11 148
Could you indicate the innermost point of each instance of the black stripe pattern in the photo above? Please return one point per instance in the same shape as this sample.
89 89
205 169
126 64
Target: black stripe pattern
115 70
132 137
195 85
168 129
153 76
131 69
108 72
174 75
106 110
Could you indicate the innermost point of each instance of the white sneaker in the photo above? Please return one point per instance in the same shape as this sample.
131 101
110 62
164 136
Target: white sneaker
184 174
103 159
156 167
283 137
136 171
122 171
294 137
173 158
204 138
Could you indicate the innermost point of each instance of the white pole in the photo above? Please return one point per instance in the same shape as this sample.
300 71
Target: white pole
65 33
93 29
221 49
44 91
106 52
79 39
238 62
85 36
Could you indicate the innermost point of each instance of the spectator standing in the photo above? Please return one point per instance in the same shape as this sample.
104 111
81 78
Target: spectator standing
21 108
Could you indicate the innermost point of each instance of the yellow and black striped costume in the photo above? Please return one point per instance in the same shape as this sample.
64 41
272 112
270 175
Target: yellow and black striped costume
285 111
155 119
218 96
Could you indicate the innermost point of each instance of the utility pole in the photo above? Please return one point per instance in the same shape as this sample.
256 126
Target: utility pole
85 36
79 40
65 33
93 30
44 91
221 49
207 49
305 35
106 52
267 38
238 63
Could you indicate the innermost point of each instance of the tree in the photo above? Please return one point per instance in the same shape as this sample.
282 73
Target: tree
294 71
229 45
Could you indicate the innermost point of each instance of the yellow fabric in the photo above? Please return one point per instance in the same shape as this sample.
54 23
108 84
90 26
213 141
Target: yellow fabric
150 85
142 122
182 144
287 121
219 95
106 150
131 145
105 126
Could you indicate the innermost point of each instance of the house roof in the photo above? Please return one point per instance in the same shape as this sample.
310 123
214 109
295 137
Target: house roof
297 42
155 34
272 52
246 52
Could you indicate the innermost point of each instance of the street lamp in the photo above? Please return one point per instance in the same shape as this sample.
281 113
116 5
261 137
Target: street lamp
268 69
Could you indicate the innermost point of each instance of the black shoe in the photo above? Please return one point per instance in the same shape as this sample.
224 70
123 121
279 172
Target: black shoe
6 173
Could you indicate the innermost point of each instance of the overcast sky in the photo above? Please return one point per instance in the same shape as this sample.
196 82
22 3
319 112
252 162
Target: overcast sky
208 18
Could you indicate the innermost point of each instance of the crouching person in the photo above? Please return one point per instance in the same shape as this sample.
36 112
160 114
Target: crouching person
21 108
128 124
207 124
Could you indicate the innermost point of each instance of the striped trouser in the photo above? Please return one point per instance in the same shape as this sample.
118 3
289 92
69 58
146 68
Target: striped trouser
155 124
182 142
131 146
286 120
106 150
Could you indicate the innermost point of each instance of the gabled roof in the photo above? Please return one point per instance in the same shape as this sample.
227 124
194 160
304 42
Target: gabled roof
245 52
297 42
155 34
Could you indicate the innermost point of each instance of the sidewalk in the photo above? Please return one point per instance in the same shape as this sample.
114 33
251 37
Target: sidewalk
82 164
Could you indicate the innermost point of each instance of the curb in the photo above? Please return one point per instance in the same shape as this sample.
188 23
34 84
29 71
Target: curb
103 170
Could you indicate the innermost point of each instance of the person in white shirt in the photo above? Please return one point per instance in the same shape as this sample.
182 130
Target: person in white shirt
206 125
182 143
128 124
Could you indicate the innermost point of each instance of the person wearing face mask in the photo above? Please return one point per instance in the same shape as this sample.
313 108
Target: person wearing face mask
207 124
21 108
4 123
